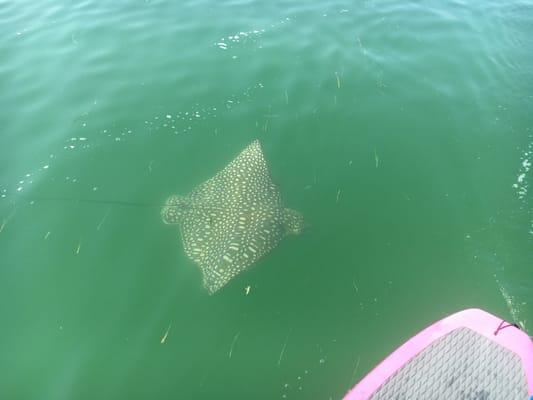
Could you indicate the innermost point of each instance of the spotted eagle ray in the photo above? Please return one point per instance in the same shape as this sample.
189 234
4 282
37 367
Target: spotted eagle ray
228 222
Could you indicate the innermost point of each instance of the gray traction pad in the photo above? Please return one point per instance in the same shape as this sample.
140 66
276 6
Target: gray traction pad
462 365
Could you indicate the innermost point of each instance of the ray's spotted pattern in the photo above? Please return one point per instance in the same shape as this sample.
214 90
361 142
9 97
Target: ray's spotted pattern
228 222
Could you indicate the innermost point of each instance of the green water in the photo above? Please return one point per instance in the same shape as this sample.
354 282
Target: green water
403 131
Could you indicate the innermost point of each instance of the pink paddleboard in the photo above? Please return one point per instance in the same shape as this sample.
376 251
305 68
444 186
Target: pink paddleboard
470 355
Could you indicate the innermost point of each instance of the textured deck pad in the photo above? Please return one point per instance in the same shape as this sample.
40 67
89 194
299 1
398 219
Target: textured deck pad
462 365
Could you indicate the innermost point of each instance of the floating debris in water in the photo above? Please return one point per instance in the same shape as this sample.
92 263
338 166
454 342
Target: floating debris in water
233 343
164 338
284 346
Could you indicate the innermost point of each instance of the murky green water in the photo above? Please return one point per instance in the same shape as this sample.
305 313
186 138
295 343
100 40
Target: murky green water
402 131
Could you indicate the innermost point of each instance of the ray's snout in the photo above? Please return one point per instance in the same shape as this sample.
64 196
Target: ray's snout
172 212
